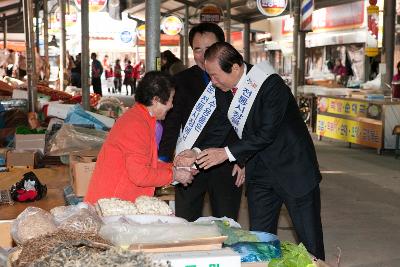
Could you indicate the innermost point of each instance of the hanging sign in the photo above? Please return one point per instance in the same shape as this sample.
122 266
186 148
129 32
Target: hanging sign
141 32
126 37
211 13
371 46
94 5
70 19
271 8
171 25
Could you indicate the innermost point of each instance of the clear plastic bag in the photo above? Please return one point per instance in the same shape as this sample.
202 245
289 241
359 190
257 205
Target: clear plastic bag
80 218
32 222
124 234
72 138
3 256
110 106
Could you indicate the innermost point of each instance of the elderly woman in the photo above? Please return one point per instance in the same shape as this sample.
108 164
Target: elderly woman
128 165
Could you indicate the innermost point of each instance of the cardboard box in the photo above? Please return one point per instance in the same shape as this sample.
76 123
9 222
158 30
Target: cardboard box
221 258
21 159
34 142
82 165
6 240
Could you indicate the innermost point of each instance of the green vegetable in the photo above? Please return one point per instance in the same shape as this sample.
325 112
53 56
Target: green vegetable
235 235
27 130
292 256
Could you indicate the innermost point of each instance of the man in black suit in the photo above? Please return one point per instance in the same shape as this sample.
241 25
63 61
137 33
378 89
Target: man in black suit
224 189
281 163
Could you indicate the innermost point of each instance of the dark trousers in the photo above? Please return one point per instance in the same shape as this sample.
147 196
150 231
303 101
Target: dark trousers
265 201
224 196
118 84
96 83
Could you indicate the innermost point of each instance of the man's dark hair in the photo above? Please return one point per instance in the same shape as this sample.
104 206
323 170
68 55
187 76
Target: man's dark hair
206 27
93 55
154 83
226 54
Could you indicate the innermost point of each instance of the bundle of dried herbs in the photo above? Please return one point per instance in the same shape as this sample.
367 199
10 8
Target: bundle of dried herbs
87 254
35 248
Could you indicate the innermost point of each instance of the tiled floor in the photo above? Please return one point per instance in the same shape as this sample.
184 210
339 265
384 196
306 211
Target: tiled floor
360 195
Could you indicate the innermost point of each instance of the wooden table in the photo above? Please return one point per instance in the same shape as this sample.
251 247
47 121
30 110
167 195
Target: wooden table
56 178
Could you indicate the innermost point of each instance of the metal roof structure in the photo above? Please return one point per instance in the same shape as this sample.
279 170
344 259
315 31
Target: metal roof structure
242 11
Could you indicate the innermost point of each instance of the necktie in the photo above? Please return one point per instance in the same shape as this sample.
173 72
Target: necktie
234 89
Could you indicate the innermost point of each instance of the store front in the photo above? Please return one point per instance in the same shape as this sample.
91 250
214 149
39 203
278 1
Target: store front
339 32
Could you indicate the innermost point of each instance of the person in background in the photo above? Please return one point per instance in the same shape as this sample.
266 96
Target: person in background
76 72
68 71
340 72
117 76
9 62
281 162
170 63
97 70
108 73
21 65
128 79
136 74
127 165
222 183
396 77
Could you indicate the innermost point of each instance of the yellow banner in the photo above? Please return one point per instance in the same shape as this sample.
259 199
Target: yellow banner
343 106
355 132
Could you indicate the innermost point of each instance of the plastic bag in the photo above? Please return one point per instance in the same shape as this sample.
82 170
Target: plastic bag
227 221
81 218
72 138
110 106
257 251
3 257
32 222
123 233
77 115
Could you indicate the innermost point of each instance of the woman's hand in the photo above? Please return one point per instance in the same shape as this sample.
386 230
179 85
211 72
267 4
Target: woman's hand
182 175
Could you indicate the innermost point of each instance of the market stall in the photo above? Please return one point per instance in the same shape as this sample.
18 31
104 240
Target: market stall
359 121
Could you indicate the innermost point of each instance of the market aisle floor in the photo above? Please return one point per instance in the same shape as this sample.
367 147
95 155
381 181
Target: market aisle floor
360 195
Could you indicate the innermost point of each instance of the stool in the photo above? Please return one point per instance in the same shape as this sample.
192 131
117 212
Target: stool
396 131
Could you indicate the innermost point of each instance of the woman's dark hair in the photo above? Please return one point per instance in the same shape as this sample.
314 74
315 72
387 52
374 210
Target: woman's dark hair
206 27
398 65
169 56
154 83
226 54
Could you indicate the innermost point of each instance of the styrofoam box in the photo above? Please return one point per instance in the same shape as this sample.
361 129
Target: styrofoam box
222 258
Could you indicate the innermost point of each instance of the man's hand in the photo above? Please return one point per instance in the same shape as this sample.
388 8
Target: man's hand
182 175
240 175
211 157
186 158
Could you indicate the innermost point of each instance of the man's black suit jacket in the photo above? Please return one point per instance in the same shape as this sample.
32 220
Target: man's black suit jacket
218 132
276 144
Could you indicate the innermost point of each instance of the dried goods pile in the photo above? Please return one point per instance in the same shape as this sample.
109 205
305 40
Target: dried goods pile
142 205
74 254
36 248
31 223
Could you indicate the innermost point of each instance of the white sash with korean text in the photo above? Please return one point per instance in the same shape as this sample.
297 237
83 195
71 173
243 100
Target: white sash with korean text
246 94
198 118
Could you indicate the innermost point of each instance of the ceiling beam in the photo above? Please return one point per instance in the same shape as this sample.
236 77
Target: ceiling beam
12 6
